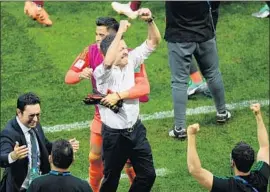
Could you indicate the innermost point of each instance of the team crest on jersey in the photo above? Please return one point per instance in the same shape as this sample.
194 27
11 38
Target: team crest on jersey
79 64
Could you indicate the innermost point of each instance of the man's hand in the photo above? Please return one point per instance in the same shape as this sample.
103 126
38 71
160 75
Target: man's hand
256 108
19 152
123 26
75 144
110 99
86 73
193 129
145 14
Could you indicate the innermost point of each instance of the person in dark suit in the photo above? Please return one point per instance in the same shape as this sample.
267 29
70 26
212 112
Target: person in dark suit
60 178
24 147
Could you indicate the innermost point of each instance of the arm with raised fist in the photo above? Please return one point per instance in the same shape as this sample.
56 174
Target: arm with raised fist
263 153
203 176
154 37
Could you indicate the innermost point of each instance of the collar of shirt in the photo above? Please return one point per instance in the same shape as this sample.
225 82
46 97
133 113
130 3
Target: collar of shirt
22 126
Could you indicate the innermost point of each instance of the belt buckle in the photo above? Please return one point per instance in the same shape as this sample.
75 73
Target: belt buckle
131 129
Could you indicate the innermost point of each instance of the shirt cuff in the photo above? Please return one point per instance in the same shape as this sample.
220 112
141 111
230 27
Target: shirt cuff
10 160
150 49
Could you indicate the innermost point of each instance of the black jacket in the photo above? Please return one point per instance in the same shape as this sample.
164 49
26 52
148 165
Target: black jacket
188 21
15 173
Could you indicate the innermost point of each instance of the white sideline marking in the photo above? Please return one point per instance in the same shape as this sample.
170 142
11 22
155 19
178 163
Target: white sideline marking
158 115
159 172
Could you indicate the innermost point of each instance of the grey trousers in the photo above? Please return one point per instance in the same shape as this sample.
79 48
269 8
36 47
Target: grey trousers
180 58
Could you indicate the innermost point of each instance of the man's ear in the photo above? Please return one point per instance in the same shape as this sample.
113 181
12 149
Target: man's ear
18 111
50 158
232 163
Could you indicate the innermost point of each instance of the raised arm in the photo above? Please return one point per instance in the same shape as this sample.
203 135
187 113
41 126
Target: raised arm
153 37
113 49
203 176
263 153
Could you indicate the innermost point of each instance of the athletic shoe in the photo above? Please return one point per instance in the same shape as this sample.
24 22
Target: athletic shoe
43 17
30 9
263 13
125 10
207 93
178 133
223 117
194 88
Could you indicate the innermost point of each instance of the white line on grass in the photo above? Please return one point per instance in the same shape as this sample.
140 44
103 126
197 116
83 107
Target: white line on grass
158 115
159 172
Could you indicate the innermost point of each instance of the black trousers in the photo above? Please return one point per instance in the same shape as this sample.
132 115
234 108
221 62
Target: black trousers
118 146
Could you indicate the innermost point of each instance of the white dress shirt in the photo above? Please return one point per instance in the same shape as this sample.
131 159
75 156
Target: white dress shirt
26 133
118 80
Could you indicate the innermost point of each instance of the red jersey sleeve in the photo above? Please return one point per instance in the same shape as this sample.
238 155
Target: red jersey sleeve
81 61
142 86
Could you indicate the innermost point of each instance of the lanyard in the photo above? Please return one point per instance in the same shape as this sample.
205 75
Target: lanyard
53 172
245 182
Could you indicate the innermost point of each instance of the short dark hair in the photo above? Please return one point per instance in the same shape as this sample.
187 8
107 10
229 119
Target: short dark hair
243 156
108 22
62 154
27 99
106 42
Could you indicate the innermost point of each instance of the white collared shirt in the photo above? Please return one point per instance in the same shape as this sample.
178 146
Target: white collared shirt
26 133
118 80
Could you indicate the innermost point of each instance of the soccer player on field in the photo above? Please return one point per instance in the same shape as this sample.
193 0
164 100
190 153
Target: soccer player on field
82 68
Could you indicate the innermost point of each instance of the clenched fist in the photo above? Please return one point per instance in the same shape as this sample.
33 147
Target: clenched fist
193 129
123 26
145 14
86 73
256 108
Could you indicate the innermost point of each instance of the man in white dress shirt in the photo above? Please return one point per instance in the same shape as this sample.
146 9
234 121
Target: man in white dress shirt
124 135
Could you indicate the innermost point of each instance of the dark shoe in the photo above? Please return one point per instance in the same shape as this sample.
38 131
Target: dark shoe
178 133
223 117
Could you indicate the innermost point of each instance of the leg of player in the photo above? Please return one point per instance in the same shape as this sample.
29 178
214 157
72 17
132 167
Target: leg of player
35 10
30 9
42 15
95 160
130 171
196 83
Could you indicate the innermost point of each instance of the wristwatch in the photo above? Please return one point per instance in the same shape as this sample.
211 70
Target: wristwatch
150 20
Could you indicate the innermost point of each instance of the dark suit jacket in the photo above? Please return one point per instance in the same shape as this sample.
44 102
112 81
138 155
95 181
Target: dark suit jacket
15 173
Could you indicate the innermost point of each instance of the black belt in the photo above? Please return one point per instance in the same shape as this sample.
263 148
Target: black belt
129 130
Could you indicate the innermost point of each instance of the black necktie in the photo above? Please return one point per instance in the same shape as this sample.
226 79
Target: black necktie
34 150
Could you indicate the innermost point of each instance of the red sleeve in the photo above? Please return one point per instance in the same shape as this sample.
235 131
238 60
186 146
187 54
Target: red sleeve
82 61
142 86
